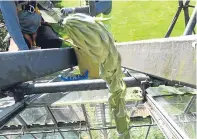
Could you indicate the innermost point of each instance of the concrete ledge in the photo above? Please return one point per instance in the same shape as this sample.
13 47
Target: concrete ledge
171 58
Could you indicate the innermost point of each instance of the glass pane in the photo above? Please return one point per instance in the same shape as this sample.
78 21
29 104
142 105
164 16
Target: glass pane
78 97
48 136
40 136
13 137
14 121
97 134
27 136
71 135
49 99
108 115
188 127
174 104
155 133
83 97
182 109
112 134
68 113
169 90
98 115
6 102
53 136
77 135
138 133
84 135
36 116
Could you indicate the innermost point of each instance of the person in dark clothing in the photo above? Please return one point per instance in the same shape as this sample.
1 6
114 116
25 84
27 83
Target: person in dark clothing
34 28
35 32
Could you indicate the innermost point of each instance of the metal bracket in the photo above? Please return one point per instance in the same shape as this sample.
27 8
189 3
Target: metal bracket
144 85
18 96
17 93
2 94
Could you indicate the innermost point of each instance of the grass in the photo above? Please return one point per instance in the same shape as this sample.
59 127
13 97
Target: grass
144 20
139 20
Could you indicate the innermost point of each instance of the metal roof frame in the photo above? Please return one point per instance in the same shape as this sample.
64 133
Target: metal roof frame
151 104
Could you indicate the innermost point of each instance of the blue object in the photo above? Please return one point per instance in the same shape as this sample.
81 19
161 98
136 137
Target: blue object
75 78
103 6
9 12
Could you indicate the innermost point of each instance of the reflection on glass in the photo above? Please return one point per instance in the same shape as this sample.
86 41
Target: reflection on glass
182 109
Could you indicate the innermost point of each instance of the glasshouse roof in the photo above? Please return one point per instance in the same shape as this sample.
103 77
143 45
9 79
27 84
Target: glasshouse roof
87 115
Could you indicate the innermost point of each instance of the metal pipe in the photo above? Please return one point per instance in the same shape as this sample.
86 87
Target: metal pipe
147 133
186 11
191 24
54 87
189 105
166 81
103 117
54 120
87 121
174 19
50 129
171 95
92 6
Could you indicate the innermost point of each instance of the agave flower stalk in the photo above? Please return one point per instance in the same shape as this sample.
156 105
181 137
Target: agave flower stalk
92 38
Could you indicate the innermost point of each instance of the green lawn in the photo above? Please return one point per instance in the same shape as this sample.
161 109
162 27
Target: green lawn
138 20
144 20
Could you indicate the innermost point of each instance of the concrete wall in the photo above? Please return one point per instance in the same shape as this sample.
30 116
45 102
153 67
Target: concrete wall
171 58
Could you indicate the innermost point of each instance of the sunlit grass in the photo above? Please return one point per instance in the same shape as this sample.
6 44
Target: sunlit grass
138 20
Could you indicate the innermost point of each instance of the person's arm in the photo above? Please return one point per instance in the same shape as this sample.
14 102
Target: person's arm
84 10
9 12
